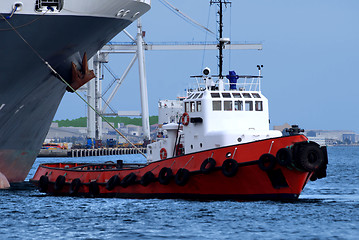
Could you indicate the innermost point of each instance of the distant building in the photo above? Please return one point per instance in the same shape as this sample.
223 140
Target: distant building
349 138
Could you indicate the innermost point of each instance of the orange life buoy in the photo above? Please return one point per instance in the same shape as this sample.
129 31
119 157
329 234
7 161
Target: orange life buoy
163 153
185 119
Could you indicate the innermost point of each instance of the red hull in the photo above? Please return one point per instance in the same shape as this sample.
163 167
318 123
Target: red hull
250 182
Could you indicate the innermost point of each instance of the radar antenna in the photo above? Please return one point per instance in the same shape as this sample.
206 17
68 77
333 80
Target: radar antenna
221 40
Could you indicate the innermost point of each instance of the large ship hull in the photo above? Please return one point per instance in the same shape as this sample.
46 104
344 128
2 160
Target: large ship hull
29 92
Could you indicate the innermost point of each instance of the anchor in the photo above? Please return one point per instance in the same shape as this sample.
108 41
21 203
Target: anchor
80 77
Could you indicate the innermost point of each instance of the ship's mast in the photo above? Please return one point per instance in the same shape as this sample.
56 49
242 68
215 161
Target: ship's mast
221 41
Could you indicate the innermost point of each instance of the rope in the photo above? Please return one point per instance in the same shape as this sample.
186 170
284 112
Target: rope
12 13
24 25
68 85
184 16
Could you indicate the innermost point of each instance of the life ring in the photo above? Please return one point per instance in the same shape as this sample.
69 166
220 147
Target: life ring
208 165
185 119
128 180
94 189
163 153
182 177
59 183
43 183
267 162
230 167
309 157
113 182
284 157
75 186
165 175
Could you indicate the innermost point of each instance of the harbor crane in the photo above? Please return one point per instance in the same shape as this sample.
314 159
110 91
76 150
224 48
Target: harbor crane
137 47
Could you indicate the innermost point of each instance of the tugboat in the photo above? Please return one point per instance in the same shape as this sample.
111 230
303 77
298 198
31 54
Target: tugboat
219 147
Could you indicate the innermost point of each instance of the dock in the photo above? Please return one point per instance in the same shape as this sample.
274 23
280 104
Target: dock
88 152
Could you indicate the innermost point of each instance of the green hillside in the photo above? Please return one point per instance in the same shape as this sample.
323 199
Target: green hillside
82 121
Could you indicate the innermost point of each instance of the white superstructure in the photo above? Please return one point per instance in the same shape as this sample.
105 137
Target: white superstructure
217 113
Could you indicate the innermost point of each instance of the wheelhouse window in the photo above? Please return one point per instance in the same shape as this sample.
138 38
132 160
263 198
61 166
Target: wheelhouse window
259 105
186 106
199 106
236 95
256 95
249 106
215 95
226 95
238 105
192 105
196 95
216 105
227 105
246 95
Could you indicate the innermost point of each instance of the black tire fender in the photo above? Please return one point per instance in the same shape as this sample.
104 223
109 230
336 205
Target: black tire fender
267 162
182 177
284 157
208 165
165 175
230 167
43 183
310 157
128 180
75 186
94 189
113 182
59 183
147 178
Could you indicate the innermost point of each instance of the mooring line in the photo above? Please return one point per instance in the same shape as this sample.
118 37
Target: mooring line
270 149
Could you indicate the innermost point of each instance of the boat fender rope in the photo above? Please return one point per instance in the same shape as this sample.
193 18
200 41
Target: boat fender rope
12 12
75 186
147 178
43 183
165 175
208 165
230 167
284 157
59 183
113 182
267 162
182 177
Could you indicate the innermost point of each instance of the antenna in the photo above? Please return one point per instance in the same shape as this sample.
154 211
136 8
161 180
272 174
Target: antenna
221 40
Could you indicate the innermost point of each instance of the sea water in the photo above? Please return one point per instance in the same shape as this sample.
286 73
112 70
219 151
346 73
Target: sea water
327 209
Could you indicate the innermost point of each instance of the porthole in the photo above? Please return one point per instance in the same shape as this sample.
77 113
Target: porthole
228 155
239 139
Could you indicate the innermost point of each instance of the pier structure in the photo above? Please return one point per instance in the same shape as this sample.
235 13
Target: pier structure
89 152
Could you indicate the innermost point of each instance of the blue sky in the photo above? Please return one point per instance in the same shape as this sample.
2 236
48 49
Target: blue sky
310 58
